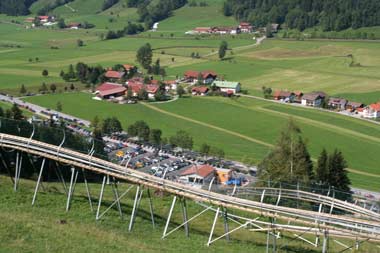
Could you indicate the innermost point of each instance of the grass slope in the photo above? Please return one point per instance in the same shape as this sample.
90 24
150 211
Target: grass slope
39 229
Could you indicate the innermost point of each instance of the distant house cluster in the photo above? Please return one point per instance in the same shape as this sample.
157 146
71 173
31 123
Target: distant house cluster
243 27
118 84
208 80
320 99
44 20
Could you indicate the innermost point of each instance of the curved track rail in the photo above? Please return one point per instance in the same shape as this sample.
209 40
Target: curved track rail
356 223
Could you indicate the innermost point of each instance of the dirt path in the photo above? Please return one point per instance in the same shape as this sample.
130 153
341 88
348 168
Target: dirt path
209 125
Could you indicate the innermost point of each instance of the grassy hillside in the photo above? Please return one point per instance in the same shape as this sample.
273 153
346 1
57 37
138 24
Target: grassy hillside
46 227
38 5
245 128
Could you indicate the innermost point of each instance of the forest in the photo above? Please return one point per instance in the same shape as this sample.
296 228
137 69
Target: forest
330 15
15 7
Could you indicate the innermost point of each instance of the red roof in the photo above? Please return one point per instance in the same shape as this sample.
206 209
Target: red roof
152 88
244 24
154 82
194 74
114 74
280 93
202 171
200 89
170 82
128 66
202 29
135 86
375 107
107 89
43 17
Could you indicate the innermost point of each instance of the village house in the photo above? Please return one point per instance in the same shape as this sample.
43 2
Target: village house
298 97
314 99
228 87
207 76
337 103
197 175
199 91
245 27
353 106
110 90
152 90
114 75
285 96
202 30
74 26
372 111
171 85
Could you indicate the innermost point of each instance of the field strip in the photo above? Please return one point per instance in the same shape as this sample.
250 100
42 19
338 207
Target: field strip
208 125
325 125
362 173
313 122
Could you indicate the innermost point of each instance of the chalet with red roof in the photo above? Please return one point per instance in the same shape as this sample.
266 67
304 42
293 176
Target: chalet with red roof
245 27
199 91
109 90
207 76
74 26
129 67
372 111
286 96
197 175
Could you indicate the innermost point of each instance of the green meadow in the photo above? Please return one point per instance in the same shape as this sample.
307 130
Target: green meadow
245 128
47 227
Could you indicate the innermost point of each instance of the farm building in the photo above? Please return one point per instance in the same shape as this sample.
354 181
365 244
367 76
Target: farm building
286 96
228 87
337 103
197 174
207 76
372 111
314 99
171 85
199 90
108 90
245 27
115 75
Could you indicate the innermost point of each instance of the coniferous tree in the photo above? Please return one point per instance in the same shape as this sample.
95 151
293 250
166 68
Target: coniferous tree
337 172
22 89
322 170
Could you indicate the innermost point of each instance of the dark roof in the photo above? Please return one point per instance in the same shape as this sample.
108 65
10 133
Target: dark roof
341 101
311 96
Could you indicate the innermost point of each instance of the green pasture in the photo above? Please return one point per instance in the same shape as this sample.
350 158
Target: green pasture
245 128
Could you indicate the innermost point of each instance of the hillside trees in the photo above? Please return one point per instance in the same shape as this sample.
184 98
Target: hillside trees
15 7
144 56
109 3
331 15
182 139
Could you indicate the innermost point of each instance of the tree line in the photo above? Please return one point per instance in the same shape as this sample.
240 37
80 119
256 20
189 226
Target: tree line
14 122
15 7
330 15
129 29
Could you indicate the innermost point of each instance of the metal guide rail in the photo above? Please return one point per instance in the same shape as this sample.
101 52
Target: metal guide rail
357 222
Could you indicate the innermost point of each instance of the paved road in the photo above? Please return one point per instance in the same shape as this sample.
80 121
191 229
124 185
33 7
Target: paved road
38 109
